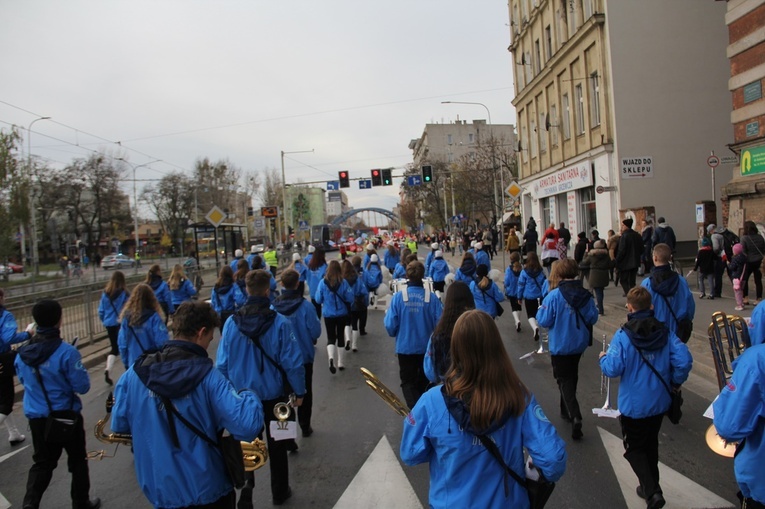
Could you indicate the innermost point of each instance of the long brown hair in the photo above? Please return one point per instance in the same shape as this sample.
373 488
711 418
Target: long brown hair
532 262
154 270
141 298
458 299
405 255
318 259
515 262
481 373
566 268
116 284
334 274
225 277
349 271
242 268
177 277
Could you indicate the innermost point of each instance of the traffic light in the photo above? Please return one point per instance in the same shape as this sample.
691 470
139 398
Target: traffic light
343 177
387 180
427 173
376 178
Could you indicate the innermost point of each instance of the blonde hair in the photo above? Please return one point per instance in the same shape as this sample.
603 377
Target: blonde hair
141 298
177 277
566 268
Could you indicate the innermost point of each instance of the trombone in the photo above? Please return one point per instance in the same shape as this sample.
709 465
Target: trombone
386 394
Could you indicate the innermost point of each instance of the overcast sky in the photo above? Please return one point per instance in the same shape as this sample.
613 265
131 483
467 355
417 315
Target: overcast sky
177 80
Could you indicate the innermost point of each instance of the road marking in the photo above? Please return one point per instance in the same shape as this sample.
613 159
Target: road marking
380 483
4 504
679 491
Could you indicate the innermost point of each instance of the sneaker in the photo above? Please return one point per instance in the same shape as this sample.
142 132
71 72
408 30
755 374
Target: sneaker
281 500
739 308
639 491
518 327
656 501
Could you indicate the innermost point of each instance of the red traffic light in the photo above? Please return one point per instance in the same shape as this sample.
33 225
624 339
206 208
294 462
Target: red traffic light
375 173
343 175
344 178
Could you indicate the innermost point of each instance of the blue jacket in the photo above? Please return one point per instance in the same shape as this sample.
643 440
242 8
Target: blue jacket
240 293
429 259
429 363
313 278
224 298
372 276
391 260
399 272
568 333
246 365
641 393
360 293
482 258
757 325
235 262
511 282
740 414
8 334
486 300
162 292
301 269
411 320
61 369
251 259
335 302
438 270
307 258
194 473
466 272
148 334
185 292
109 309
531 286
665 283
305 324
462 472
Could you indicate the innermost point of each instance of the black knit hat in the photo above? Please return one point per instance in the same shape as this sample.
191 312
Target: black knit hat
482 270
47 313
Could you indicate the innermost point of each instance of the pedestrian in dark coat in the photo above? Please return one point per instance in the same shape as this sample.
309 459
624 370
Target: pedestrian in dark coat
597 262
628 256
530 239
581 247
646 261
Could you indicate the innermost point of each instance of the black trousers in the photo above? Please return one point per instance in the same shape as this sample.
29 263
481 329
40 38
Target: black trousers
628 279
754 270
438 286
335 329
749 503
363 313
6 394
227 501
113 332
413 379
532 306
305 411
719 271
318 308
641 449
566 373
45 459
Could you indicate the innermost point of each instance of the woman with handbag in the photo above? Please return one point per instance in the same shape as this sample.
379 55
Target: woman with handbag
110 306
8 337
486 294
482 397
335 296
754 248
142 326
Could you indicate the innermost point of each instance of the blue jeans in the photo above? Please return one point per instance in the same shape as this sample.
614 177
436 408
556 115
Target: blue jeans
599 299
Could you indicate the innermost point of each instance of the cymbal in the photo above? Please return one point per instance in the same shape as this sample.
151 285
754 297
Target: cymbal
718 445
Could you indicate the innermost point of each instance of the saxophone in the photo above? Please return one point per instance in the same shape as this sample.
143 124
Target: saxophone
254 454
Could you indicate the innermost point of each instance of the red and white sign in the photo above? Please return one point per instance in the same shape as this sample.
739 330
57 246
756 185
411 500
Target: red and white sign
568 179
713 161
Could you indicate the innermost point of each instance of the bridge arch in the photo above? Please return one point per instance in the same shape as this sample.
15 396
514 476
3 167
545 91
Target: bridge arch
352 212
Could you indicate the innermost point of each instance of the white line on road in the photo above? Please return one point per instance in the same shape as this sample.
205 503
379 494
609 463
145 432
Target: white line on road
380 483
4 504
679 491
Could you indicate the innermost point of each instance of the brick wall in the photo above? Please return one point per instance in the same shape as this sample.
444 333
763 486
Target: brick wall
746 24
739 129
750 58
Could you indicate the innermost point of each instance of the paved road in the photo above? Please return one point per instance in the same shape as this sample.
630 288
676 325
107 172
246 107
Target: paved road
352 458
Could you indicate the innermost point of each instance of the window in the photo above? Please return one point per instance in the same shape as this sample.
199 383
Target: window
588 9
571 18
533 139
553 125
471 138
449 139
594 100
529 67
566 118
525 145
542 133
537 57
579 97
588 209
546 211
449 157
548 42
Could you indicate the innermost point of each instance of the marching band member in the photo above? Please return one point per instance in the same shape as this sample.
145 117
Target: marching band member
336 296
113 299
8 336
458 299
142 328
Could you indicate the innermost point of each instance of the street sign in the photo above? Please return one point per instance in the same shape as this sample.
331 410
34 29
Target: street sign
365 184
514 190
260 223
733 160
414 180
269 211
216 216
333 185
303 226
713 161
600 189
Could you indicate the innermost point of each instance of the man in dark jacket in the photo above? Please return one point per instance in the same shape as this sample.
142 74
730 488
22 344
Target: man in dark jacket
564 234
628 256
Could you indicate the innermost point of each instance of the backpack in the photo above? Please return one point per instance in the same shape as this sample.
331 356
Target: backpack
729 240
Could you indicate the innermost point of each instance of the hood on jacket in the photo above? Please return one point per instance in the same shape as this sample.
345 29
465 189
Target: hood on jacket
145 315
41 346
645 331
288 302
664 280
154 281
224 289
468 267
461 413
574 294
115 295
175 370
255 318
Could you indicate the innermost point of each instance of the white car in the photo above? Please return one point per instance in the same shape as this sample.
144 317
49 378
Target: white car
117 262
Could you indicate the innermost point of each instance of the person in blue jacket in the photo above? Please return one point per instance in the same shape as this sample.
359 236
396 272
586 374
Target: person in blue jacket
757 325
438 271
481 257
113 299
437 360
174 466
311 250
481 395
181 288
486 294
317 267
9 336
359 305
740 417
568 312
532 286
298 266
336 296
643 396
400 271
512 273
391 257
240 287
368 252
142 327
256 346
466 271
161 290
238 255
251 257
411 318
307 328
224 295
431 256
52 373
361 311
673 302
372 277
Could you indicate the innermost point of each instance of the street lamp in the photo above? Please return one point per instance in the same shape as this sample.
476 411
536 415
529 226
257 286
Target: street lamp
32 211
501 176
135 201
284 193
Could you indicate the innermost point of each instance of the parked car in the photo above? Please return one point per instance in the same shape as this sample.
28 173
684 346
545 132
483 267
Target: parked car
16 268
117 262
259 248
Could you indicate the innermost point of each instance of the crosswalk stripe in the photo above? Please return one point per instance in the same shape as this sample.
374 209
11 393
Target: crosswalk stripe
4 504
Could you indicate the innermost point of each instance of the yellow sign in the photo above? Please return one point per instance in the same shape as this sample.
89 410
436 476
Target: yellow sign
514 190
215 216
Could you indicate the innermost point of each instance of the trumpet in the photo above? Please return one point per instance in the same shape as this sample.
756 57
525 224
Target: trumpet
605 384
254 454
386 394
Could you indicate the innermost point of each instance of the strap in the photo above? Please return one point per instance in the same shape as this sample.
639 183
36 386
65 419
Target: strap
494 450
669 391
171 410
285 380
587 325
143 350
45 392
338 296
666 301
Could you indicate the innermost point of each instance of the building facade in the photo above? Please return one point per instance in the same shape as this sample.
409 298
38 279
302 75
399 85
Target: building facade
306 204
745 193
337 203
619 104
450 142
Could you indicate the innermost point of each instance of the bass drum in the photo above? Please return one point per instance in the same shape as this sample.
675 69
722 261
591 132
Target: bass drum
397 284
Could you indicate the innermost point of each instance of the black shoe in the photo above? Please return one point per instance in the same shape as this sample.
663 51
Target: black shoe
107 379
347 345
536 334
363 333
656 501
576 429
332 367
290 445
639 491
307 432
283 499
90 504
518 327
711 297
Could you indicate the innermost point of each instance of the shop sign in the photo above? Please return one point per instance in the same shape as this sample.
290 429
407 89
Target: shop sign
752 129
753 161
637 167
753 92
568 179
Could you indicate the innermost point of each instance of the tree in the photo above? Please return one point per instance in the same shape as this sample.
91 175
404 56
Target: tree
13 210
217 183
172 201
270 193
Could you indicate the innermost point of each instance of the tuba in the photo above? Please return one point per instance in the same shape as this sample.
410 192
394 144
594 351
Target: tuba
254 454
386 394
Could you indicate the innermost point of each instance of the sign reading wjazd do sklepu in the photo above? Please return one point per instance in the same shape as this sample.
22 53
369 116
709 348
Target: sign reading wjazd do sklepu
637 167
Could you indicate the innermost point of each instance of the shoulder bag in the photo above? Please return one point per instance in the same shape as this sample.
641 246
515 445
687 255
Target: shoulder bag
60 425
684 326
675 411
500 309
